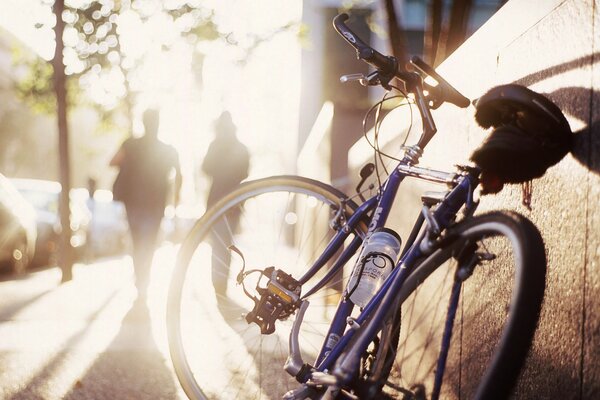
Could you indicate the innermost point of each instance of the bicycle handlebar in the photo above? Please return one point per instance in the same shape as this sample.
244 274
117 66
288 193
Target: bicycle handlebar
388 68
388 65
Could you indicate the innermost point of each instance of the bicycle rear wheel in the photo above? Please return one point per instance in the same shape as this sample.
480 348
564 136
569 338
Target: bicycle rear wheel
281 222
497 309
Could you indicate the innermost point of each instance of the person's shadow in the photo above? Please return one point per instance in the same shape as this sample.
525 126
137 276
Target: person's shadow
132 366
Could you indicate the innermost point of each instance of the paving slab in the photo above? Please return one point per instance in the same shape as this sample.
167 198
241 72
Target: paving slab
88 338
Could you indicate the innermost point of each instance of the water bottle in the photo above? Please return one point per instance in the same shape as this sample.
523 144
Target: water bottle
375 263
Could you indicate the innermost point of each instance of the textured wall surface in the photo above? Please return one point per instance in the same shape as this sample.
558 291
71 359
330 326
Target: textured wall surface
552 47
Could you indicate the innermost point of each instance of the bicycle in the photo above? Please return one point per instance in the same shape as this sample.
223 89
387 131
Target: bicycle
455 317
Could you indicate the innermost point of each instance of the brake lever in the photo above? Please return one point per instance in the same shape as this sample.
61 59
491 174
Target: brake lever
373 79
353 77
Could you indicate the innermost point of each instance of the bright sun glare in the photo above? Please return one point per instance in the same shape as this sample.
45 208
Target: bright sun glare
261 90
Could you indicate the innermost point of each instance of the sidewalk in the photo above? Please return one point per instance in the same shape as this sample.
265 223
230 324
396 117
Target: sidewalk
82 339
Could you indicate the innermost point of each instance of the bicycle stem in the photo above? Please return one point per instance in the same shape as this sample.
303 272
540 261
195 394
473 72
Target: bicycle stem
429 128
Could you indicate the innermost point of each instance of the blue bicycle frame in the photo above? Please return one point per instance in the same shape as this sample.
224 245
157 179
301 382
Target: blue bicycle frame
338 336
336 355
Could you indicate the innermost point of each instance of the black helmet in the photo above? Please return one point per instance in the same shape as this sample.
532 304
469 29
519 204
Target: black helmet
530 135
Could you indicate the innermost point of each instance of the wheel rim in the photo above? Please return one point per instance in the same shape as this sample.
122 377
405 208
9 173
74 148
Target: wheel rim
482 316
283 226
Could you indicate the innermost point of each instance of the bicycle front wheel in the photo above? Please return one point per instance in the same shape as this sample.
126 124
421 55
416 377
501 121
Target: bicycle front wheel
282 222
464 333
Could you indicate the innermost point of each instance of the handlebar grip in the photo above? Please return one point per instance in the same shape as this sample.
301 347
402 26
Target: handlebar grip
385 64
346 33
446 91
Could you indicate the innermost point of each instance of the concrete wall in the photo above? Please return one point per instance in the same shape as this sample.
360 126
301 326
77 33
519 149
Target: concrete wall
553 47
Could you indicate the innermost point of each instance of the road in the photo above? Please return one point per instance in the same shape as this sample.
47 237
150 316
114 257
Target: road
87 338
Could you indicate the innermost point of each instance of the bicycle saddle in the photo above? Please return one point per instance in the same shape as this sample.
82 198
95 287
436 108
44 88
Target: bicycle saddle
530 134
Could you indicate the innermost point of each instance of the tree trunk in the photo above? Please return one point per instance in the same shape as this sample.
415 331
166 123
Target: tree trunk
66 250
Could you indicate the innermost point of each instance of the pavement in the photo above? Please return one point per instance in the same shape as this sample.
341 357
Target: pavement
88 338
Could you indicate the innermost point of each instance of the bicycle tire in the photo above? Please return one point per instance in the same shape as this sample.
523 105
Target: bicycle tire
491 370
272 196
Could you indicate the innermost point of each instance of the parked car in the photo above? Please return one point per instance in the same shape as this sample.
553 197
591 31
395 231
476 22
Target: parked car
17 229
108 232
44 196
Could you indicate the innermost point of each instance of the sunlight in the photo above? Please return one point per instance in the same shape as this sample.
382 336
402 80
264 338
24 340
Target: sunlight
162 268
19 17
261 90
88 330
263 100
257 79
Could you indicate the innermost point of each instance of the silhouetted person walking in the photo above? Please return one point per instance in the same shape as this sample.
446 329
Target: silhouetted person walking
227 162
146 165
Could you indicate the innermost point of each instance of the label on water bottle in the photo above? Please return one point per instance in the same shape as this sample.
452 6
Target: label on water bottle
374 270
375 264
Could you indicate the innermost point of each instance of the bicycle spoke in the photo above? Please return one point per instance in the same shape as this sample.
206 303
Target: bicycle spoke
286 229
